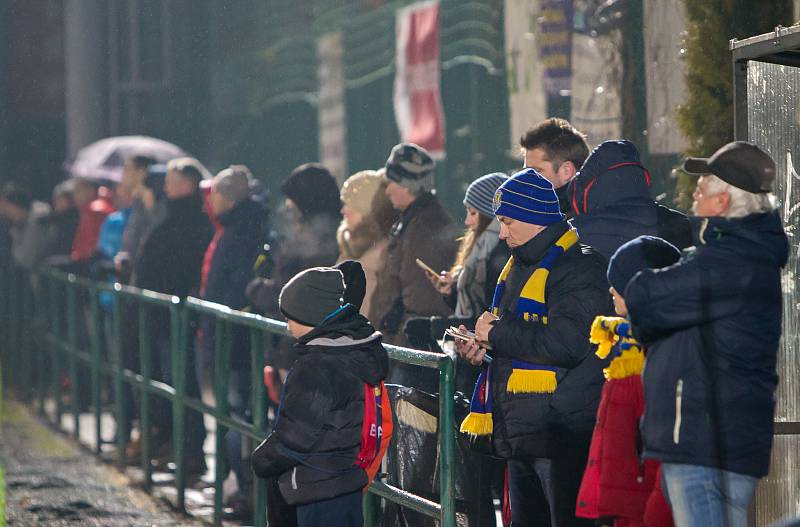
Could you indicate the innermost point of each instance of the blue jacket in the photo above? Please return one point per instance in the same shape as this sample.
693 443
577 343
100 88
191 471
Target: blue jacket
110 241
237 249
611 201
712 325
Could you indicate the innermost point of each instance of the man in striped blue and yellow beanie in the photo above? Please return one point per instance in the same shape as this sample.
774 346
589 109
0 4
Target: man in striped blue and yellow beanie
537 397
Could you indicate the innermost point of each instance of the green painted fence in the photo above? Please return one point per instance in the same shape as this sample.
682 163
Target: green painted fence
57 325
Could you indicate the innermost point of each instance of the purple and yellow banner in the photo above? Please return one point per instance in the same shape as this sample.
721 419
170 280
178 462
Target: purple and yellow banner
555 45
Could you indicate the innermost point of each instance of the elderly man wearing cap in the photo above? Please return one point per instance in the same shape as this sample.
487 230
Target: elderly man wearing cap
424 231
712 326
240 239
236 247
537 397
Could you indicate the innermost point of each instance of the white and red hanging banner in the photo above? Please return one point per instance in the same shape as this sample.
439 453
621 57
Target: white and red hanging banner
417 84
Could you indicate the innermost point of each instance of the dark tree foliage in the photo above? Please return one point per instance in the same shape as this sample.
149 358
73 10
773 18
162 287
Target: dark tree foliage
706 118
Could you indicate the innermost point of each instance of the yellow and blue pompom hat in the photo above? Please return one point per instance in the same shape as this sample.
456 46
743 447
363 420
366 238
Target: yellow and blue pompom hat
528 197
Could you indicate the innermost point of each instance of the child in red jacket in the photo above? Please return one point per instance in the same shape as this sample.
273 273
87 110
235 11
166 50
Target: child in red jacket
618 486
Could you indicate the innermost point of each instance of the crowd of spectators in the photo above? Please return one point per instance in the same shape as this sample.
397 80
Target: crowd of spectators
568 274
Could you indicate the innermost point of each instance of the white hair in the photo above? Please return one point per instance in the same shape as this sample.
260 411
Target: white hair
742 203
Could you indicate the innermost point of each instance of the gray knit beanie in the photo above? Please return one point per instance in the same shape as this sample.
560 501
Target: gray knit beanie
312 295
480 193
233 183
411 166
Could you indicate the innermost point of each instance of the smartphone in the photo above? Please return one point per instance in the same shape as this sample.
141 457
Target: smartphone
425 267
465 335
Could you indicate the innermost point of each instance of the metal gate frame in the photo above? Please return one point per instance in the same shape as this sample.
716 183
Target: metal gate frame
780 47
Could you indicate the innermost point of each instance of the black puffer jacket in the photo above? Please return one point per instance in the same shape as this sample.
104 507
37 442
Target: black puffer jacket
712 325
575 293
313 447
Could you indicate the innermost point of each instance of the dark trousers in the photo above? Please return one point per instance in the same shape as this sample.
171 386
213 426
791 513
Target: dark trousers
529 488
195 431
567 472
129 348
544 492
342 511
237 448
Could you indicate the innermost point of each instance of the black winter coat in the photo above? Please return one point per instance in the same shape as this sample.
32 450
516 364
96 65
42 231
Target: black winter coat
311 243
316 439
712 326
171 255
63 224
575 293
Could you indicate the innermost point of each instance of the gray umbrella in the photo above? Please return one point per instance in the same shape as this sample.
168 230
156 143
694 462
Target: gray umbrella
104 159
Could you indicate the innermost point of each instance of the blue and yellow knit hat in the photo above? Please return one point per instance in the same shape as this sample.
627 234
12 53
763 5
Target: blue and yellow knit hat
528 197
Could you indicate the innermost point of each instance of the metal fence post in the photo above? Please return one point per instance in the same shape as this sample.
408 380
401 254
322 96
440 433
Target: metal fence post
259 418
447 442
55 316
371 508
72 339
26 338
222 346
5 314
45 365
145 362
119 387
13 309
95 345
179 337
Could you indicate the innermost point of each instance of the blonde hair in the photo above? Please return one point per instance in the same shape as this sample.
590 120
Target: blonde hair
468 242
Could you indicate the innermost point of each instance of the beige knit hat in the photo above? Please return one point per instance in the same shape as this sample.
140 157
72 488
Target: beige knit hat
359 191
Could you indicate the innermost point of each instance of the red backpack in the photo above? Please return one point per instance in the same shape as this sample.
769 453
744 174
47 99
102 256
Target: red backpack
376 431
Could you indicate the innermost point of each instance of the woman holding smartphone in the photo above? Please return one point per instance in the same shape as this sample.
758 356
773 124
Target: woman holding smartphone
468 285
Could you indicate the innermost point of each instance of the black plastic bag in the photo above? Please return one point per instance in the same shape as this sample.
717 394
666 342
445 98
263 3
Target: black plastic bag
414 462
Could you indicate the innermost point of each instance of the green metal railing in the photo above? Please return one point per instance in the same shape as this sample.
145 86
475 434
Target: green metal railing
42 355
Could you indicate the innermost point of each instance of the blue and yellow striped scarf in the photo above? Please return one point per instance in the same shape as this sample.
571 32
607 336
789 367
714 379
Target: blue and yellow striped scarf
613 336
531 307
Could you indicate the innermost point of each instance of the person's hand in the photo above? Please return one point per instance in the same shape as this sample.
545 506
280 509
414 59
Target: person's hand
443 283
122 262
483 326
470 350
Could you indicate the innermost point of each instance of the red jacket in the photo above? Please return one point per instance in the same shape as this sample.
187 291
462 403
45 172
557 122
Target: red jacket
657 512
208 257
617 482
92 217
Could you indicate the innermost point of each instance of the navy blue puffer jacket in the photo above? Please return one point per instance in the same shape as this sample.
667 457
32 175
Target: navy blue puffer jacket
712 326
611 200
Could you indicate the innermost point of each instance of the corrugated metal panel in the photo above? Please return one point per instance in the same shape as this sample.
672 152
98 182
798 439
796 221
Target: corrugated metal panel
773 106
